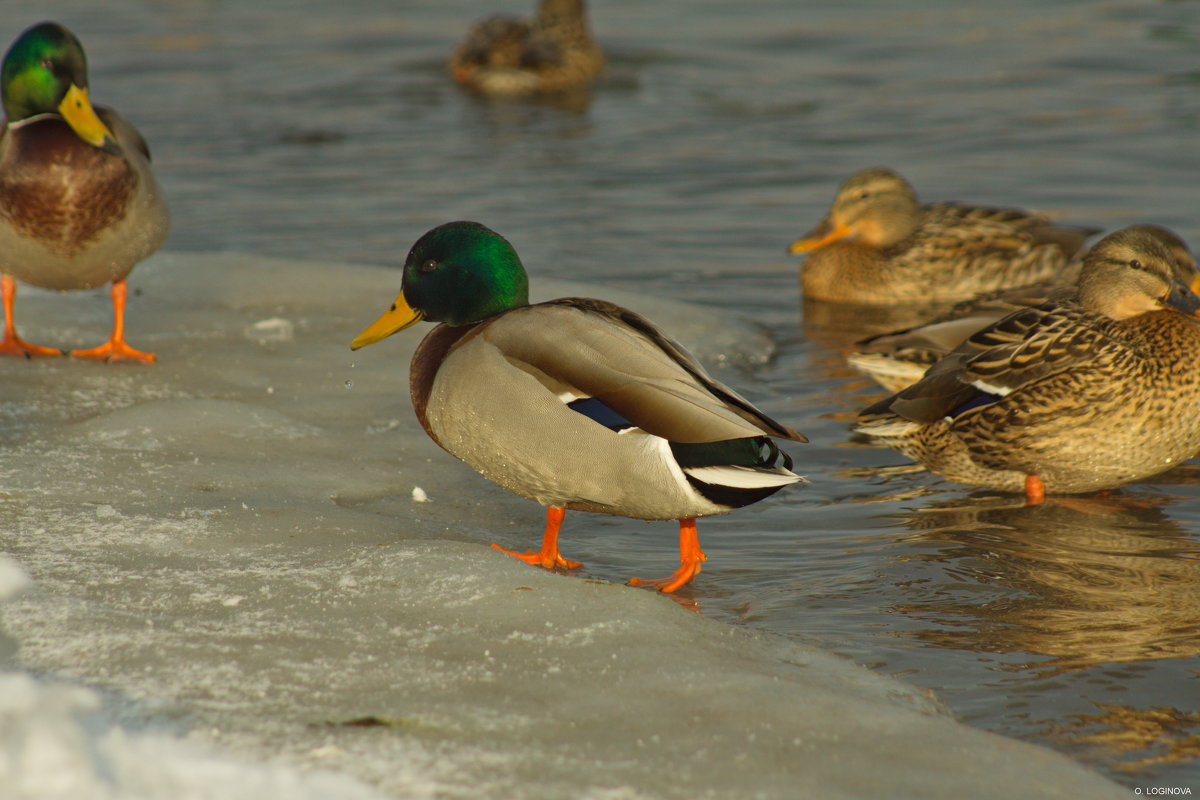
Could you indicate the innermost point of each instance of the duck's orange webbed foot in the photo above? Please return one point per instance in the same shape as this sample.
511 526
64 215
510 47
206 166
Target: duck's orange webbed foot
541 559
1035 490
115 349
548 557
13 345
691 557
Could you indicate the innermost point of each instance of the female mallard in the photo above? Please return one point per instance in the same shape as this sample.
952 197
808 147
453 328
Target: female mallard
899 359
1069 396
79 206
878 246
574 403
508 56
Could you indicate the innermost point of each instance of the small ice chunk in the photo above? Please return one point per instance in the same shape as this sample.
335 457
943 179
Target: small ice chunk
275 329
13 579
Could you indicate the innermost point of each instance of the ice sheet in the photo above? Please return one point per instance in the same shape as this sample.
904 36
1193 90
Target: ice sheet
252 547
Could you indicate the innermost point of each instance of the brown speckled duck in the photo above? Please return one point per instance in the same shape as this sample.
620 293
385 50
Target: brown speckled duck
79 206
899 358
878 245
1070 396
573 403
507 56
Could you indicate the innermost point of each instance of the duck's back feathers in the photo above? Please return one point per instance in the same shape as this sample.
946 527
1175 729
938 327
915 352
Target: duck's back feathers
1018 350
975 249
581 403
593 348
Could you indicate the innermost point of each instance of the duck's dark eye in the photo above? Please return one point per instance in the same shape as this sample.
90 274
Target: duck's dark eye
429 266
1135 264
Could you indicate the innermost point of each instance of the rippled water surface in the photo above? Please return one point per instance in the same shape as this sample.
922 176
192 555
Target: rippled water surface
329 130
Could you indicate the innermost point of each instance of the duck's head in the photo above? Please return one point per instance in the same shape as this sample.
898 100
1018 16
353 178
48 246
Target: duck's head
45 72
877 206
458 273
1139 269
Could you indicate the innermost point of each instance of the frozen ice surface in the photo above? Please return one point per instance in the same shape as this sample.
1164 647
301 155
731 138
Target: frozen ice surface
226 546
54 745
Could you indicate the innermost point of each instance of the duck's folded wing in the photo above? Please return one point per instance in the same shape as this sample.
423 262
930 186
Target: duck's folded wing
579 347
1023 348
127 135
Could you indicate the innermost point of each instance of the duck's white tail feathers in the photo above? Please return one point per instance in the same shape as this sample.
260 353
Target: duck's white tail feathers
744 477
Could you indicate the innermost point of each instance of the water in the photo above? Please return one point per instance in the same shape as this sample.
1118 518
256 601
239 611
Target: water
330 131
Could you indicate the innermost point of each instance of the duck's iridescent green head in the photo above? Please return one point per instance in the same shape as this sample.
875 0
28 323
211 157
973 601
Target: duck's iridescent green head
458 273
45 72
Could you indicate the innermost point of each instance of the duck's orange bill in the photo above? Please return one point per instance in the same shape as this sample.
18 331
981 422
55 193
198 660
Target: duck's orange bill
816 240
77 110
395 319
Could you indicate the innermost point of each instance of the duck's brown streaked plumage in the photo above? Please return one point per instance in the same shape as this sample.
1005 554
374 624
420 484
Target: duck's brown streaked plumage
1071 396
878 245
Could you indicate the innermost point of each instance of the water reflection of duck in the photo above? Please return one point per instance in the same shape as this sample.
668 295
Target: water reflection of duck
1106 581
878 245
899 358
1065 397
507 56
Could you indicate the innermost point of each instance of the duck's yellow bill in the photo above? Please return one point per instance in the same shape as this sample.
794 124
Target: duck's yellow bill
817 240
77 110
394 320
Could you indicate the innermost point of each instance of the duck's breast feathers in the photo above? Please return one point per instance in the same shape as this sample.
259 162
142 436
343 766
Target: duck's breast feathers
579 347
59 190
426 361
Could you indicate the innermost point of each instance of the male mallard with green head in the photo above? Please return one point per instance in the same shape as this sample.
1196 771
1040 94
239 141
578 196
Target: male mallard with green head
573 403
1070 396
879 246
507 56
79 206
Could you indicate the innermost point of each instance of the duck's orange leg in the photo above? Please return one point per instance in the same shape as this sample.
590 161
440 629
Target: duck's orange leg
116 349
1035 490
548 556
12 344
690 556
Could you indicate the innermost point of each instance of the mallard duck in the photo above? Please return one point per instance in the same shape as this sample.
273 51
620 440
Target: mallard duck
878 245
79 206
508 56
573 403
899 358
1068 396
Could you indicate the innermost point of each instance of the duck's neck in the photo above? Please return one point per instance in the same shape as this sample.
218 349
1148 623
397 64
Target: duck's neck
564 18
